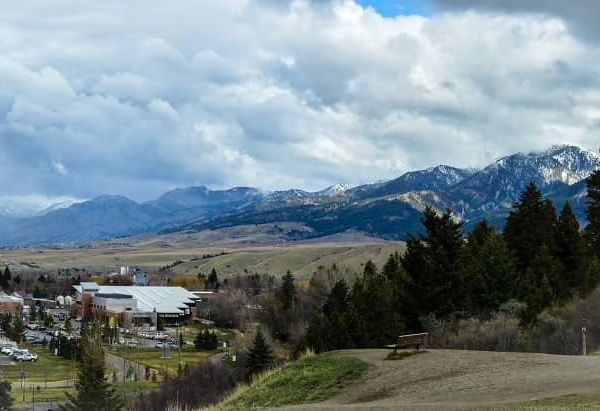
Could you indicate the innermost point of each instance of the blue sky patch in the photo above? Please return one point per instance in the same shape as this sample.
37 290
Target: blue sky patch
392 8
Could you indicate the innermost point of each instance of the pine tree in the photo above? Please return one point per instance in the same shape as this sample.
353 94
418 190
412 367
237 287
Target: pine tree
6 400
541 283
571 251
593 211
212 280
530 225
6 278
287 294
260 357
372 317
488 269
432 262
93 391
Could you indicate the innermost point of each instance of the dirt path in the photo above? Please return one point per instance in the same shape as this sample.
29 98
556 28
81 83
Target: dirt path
458 380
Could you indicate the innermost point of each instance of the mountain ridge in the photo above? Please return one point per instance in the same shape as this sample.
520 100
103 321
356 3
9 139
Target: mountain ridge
385 209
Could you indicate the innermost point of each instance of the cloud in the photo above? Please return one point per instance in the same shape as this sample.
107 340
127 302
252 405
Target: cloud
139 97
582 15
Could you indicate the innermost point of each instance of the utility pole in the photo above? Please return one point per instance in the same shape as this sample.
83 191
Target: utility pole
583 333
179 344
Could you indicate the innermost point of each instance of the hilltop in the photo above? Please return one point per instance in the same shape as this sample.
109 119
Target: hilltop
460 380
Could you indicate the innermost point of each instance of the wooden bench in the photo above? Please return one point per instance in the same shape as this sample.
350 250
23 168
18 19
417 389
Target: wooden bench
410 340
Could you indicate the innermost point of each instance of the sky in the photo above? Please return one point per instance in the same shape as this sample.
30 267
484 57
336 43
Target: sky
139 97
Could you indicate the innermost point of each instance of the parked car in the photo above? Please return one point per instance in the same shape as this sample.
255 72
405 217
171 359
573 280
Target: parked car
27 356
39 341
29 336
18 352
8 349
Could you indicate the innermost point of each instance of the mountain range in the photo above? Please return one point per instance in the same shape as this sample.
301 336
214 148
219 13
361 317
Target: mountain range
385 210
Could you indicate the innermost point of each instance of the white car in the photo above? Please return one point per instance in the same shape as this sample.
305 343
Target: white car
27 356
18 351
8 349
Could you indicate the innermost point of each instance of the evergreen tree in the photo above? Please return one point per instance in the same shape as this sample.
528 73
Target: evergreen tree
93 391
398 281
68 326
370 270
488 269
212 281
6 400
593 211
571 251
327 329
541 283
287 294
371 316
260 357
206 340
6 278
431 261
15 331
530 225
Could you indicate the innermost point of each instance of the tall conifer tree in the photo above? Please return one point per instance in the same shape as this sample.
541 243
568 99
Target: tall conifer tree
593 211
530 225
432 262
93 391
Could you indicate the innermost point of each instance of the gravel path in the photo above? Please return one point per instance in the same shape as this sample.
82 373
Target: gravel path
458 380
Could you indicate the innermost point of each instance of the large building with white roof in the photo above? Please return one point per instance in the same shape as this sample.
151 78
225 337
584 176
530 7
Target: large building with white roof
129 303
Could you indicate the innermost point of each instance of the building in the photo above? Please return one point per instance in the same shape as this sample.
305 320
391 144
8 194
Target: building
134 305
11 303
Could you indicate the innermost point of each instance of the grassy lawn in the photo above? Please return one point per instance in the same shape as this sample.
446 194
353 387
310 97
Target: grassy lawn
152 357
311 379
48 367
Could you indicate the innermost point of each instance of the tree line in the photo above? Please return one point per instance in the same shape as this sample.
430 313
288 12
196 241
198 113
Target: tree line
540 260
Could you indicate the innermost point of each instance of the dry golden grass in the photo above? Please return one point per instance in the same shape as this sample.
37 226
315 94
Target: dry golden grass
154 252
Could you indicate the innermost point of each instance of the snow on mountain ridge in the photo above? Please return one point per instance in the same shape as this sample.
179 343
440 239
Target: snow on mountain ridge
34 205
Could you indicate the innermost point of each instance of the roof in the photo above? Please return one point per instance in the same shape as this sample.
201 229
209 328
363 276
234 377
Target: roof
15 298
89 286
163 300
113 295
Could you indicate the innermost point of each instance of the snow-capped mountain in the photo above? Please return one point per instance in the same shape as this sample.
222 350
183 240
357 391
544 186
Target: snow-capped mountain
33 205
334 190
385 209
499 184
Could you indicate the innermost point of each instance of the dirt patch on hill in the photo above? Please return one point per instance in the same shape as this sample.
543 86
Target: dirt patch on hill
458 380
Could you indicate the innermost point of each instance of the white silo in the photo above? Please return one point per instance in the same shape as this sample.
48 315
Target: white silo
68 300
60 300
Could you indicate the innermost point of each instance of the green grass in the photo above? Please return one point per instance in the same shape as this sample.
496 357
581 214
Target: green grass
152 357
48 367
310 379
54 376
562 403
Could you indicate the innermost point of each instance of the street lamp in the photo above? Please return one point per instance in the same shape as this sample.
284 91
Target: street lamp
23 381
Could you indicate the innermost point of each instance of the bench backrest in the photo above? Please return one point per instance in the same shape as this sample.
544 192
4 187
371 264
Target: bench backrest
412 338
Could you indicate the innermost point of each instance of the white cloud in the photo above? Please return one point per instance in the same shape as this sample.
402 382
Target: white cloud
139 97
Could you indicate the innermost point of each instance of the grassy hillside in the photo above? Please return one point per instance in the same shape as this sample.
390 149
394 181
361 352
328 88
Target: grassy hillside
364 380
309 380
302 260
199 255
